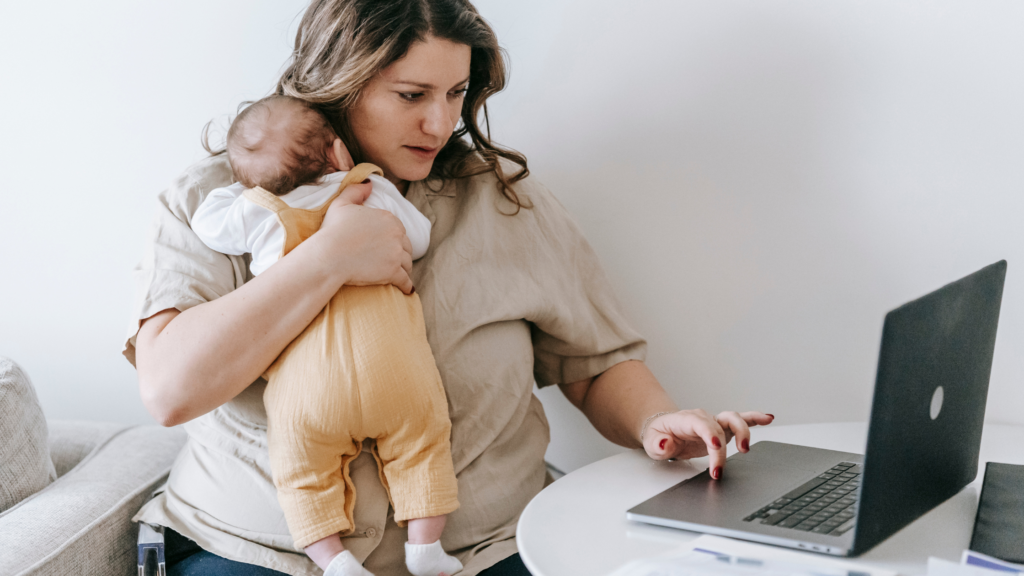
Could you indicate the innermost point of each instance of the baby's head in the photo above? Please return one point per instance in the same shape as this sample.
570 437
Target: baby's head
280 143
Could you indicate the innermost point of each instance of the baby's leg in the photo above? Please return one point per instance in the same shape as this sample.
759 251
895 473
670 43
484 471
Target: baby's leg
330 555
426 530
405 409
423 487
309 462
311 446
424 555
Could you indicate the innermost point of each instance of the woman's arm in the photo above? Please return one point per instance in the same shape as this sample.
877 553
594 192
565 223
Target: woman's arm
193 361
619 401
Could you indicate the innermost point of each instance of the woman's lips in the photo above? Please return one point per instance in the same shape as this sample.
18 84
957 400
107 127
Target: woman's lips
423 152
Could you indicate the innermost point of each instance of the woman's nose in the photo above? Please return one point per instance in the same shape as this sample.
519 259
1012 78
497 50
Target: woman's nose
437 120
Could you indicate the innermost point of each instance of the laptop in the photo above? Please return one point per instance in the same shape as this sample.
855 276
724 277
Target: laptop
923 441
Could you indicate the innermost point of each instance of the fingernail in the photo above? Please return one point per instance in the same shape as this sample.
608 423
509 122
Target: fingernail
717 474
715 442
745 444
661 445
772 416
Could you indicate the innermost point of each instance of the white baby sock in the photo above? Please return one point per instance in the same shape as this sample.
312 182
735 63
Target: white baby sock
430 560
345 564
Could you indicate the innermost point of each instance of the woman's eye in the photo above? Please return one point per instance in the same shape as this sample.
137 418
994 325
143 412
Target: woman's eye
410 96
459 93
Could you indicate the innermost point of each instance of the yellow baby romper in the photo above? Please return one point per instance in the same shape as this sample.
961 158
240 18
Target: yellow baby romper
362 369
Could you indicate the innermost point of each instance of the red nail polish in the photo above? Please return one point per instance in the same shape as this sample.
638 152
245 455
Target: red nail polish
745 444
772 416
661 445
715 442
717 474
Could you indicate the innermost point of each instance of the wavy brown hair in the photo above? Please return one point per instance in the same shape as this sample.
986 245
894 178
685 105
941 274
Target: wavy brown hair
342 44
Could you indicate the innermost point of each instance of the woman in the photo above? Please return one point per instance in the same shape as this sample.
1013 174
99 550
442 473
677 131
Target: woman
511 294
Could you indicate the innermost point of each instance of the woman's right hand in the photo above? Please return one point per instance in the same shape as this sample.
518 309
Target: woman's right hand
364 246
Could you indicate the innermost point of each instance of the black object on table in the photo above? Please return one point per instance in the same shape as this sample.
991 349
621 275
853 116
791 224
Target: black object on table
999 525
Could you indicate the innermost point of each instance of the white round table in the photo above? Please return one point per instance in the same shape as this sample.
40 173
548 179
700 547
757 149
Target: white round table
578 526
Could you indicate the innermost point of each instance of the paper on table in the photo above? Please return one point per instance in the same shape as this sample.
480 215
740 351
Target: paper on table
712 555
972 558
940 567
972 564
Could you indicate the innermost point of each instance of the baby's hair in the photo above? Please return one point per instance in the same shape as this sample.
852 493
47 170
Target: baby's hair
279 143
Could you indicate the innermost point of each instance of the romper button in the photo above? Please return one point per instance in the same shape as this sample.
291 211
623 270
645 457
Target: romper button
371 532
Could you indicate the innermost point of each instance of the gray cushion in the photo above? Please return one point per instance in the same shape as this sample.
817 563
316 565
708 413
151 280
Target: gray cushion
71 441
81 524
25 465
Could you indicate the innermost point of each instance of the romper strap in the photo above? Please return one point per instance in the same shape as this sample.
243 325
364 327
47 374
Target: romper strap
354 176
266 199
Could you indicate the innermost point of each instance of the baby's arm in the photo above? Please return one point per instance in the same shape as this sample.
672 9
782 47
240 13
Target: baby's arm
417 227
231 224
219 222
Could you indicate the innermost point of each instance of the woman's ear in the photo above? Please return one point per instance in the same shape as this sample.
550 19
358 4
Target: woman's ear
340 159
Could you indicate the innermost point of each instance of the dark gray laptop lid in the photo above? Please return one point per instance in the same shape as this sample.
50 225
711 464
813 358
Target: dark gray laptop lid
929 403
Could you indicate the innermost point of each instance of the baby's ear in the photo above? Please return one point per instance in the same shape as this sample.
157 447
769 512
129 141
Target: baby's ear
341 160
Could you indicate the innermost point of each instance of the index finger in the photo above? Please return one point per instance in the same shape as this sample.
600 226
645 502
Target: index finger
354 194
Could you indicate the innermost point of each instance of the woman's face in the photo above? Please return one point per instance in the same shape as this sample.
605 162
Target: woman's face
406 114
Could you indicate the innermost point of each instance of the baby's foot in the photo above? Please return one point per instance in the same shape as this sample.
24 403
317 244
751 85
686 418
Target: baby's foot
345 564
430 560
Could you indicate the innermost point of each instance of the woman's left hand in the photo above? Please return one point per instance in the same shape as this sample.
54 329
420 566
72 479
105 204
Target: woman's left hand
695 433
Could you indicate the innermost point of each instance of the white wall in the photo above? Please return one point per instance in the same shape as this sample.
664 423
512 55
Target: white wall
763 179
103 103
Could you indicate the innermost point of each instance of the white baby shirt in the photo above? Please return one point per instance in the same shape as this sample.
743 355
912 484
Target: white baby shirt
229 223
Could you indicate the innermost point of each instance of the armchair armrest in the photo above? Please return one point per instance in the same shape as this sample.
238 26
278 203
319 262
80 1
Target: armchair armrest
73 441
81 524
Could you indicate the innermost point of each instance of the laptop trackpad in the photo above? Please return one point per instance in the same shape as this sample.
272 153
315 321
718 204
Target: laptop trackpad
748 482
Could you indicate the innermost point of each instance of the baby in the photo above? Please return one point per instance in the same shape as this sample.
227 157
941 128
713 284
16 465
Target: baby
362 369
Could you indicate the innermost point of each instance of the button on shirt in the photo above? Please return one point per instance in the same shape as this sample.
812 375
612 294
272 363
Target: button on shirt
507 300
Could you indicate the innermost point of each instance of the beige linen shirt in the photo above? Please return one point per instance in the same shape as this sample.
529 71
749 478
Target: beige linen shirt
507 300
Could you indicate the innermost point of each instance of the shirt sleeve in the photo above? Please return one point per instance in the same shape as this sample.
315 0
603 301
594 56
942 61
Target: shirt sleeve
177 269
417 226
230 223
220 221
578 327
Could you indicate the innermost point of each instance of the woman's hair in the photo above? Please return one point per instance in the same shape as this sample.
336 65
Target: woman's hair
342 44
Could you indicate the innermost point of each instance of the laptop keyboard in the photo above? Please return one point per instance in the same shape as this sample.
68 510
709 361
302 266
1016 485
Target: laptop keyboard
826 504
